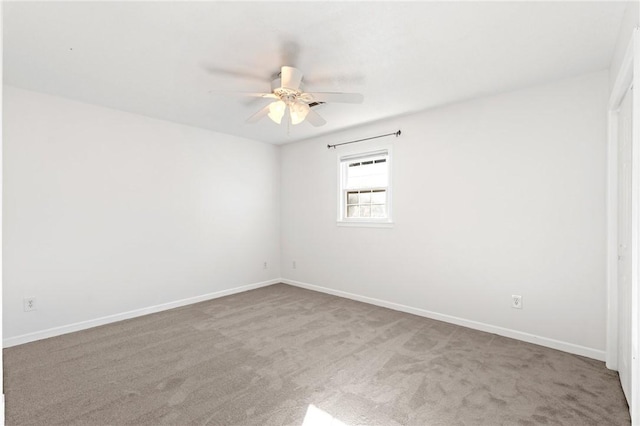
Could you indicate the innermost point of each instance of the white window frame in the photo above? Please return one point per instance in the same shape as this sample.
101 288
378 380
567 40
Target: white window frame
345 157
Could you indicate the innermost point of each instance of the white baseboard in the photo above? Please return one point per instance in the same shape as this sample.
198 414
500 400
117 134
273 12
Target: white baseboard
70 328
501 331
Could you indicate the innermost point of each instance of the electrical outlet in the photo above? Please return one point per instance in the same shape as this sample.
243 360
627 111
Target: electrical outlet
293 265
516 301
29 304
264 266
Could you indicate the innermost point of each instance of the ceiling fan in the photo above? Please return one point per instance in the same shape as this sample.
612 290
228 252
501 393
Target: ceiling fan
292 103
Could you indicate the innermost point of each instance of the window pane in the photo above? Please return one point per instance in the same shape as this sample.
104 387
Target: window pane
378 210
379 197
352 198
365 197
365 211
353 211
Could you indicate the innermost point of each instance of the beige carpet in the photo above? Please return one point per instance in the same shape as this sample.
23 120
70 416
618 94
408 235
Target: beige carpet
264 357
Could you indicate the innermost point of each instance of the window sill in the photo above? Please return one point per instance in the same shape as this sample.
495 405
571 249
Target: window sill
365 224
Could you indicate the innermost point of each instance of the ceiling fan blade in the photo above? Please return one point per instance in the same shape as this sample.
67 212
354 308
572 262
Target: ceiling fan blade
347 98
350 79
258 115
291 77
315 119
234 73
259 95
249 94
289 52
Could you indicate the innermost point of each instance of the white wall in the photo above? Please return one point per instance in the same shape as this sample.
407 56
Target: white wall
107 212
497 196
630 20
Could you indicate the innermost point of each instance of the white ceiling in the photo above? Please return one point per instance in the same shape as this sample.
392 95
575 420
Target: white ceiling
163 59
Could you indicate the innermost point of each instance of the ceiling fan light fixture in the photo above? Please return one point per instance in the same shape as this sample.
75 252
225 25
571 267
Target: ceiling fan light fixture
276 111
287 90
298 111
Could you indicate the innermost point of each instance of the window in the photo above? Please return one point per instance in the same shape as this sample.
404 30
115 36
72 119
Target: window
365 188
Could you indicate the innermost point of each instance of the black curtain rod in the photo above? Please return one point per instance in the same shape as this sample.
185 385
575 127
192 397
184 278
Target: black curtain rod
398 133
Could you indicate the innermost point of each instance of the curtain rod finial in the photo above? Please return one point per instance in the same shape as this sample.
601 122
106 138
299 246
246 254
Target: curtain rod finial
398 133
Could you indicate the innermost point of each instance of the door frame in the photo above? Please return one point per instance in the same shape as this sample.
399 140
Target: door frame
628 76
1 207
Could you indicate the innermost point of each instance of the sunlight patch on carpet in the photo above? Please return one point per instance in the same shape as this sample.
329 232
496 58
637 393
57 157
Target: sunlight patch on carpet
318 417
